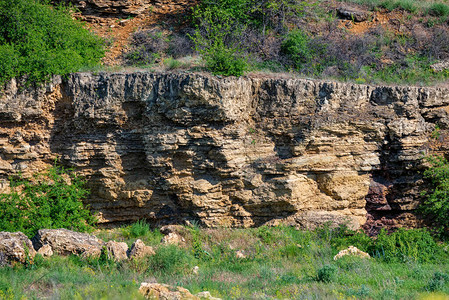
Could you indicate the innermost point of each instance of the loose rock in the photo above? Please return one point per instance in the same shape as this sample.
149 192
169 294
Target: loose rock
45 251
351 251
139 249
15 247
165 292
66 242
117 251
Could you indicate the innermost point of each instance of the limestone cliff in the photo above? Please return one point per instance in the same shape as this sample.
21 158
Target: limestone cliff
227 151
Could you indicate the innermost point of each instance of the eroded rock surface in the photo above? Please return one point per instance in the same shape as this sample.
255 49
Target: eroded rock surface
228 152
15 247
66 242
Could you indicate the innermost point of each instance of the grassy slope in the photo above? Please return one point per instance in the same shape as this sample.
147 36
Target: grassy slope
281 262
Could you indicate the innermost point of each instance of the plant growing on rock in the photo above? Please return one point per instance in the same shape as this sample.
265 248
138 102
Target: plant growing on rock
52 199
436 204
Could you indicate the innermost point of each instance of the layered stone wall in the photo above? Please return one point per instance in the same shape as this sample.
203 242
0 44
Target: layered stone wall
227 151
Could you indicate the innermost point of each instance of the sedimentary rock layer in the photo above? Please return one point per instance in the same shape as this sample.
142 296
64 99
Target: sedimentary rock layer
227 151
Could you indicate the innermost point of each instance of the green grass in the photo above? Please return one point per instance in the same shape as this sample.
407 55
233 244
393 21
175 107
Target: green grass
281 262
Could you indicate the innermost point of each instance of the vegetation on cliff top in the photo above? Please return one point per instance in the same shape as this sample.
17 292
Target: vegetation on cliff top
38 40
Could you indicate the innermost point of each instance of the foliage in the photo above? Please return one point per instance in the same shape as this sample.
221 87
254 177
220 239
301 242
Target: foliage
52 199
296 46
213 43
406 245
140 228
272 269
327 273
437 282
436 204
38 40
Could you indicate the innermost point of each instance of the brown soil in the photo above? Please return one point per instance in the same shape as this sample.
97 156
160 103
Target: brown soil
118 31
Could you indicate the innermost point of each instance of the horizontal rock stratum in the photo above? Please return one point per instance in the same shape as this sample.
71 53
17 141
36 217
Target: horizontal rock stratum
227 151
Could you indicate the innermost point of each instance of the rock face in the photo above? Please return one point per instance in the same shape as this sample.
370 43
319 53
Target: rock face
66 242
15 247
228 152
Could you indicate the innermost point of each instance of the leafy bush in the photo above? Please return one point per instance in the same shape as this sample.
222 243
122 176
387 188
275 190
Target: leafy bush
52 199
39 40
327 273
296 46
405 245
436 203
214 42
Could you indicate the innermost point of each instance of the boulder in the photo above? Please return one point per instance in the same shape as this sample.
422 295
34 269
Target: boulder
206 295
159 291
172 239
354 251
66 242
352 14
45 251
15 247
440 66
117 251
139 249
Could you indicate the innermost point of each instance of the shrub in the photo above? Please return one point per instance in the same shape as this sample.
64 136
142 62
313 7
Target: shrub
296 46
39 40
436 204
214 42
52 199
327 273
437 282
405 245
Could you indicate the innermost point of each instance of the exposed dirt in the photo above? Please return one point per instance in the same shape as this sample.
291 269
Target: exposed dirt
118 31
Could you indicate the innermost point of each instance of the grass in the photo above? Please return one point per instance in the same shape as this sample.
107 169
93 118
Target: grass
280 262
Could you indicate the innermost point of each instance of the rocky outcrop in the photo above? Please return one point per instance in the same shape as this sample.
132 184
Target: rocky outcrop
66 242
15 247
226 151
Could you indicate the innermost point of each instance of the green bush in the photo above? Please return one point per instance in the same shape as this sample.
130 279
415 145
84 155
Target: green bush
327 273
436 204
38 40
437 282
296 46
221 58
406 245
50 200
